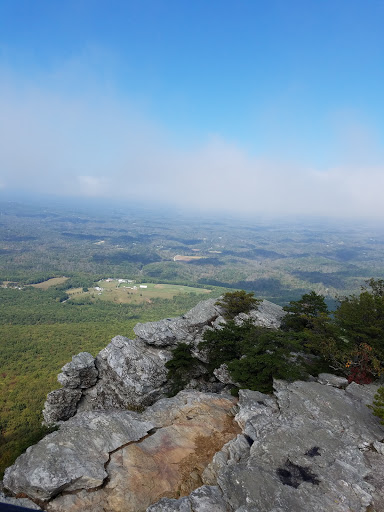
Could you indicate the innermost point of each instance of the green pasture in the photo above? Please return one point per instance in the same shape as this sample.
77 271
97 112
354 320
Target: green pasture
131 293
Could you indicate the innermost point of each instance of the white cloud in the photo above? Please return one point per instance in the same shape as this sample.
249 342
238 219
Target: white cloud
93 186
99 145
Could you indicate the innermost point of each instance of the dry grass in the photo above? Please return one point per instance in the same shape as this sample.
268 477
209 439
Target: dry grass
50 282
192 467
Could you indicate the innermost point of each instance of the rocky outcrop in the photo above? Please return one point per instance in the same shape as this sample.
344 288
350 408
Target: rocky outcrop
78 375
171 331
128 460
73 457
132 373
61 404
266 315
311 447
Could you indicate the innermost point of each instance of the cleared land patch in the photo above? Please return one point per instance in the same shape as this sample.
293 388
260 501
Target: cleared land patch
133 293
54 281
180 257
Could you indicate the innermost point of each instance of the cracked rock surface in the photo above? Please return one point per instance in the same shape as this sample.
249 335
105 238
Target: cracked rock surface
73 457
311 447
120 460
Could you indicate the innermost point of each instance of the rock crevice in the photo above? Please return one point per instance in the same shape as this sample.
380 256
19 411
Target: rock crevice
127 460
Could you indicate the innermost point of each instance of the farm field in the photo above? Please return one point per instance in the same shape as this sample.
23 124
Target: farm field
132 293
54 281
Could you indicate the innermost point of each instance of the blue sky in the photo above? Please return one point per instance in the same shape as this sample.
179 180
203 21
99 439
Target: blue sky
255 106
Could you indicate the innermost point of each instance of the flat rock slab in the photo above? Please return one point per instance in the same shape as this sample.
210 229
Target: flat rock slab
308 451
73 457
167 463
312 447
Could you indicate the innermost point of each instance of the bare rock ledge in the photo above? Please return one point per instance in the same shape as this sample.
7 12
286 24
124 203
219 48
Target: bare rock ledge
132 373
128 460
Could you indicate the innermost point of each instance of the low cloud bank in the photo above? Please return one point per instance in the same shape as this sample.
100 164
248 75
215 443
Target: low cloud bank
100 146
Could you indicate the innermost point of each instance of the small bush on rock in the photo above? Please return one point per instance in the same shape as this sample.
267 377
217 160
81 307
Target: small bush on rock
181 368
237 302
254 355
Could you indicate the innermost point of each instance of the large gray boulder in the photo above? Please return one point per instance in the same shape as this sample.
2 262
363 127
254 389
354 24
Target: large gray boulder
61 404
266 315
184 328
131 374
74 457
81 372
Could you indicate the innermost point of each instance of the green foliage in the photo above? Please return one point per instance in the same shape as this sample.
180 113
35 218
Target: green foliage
353 342
237 302
268 355
361 316
81 281
181 368
378 404
224 344
303 312
254 355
